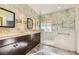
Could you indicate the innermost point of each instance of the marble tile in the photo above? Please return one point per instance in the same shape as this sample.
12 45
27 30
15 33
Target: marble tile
43 49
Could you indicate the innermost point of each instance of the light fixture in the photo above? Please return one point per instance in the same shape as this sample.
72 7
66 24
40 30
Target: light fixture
58 7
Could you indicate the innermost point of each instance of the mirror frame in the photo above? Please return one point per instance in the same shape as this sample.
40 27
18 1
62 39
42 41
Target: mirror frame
13 18
28 26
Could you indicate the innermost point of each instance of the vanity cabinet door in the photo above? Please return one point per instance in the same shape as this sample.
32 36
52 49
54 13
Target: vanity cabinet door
18 48
6 50
35 39
22 47
24 44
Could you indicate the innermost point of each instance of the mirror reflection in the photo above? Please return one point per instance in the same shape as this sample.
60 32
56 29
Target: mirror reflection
7 18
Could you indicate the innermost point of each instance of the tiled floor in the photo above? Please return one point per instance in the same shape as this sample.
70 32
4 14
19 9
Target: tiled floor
43 49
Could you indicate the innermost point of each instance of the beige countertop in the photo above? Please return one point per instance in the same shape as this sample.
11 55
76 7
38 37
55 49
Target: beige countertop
16 34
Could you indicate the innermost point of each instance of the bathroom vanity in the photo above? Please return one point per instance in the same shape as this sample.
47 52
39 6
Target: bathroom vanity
20 44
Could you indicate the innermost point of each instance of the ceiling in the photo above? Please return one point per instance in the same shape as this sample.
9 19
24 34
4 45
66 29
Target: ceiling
48 8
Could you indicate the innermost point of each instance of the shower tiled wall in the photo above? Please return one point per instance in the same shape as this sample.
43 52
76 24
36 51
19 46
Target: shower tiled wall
63 29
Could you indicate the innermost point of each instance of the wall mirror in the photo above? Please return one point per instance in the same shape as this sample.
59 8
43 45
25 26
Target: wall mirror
7 18
29 23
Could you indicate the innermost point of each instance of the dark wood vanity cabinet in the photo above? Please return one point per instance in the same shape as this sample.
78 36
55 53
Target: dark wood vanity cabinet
19 45
35 39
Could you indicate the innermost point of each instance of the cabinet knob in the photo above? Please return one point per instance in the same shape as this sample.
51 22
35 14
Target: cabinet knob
15 45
